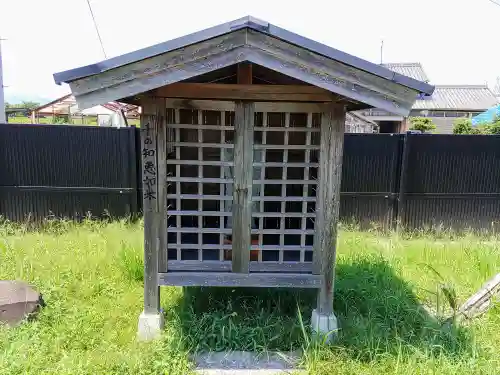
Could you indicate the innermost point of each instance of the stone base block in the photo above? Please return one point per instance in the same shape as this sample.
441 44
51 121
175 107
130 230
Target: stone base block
150 326
324 325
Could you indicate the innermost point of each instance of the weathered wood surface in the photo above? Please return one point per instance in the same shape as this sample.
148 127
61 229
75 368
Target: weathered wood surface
330 70
242 185
219 105
239 47
351 92
150 123
225 266
260 280
189 69
162 212
244 73
480 301
264 93
328 203
158 64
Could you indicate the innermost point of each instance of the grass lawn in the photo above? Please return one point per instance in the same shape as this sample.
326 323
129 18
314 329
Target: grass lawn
90 276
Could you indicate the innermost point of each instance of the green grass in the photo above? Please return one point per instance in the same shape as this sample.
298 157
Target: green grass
89 121
90 275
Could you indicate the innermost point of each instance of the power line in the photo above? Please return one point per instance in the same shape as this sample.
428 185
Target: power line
96 29
496 2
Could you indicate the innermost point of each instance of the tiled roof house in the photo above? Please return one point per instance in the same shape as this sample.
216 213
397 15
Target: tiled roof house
447 103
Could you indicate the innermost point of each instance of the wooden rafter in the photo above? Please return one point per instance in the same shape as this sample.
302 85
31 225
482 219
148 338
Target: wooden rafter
265 93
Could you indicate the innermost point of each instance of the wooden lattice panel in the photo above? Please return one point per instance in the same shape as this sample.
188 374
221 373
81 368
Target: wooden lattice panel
197 186
287 178
199 196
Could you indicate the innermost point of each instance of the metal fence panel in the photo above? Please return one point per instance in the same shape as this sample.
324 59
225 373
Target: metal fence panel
66 171
369 179
453 182
449 181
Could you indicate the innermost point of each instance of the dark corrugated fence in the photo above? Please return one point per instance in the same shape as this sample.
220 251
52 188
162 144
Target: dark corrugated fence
416 180
67 171
452 181
369 175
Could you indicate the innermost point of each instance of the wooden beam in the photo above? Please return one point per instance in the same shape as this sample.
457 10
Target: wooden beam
244 73
242 186
161 172
255 280
328 203
145 75
167 62
318 76
226 105
264 93
328 70
150 123
225 266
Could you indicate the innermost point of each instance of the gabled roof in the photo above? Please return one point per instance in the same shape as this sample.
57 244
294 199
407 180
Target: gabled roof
360 83
66 100
360 118
458 97
67 104
242 23
413 70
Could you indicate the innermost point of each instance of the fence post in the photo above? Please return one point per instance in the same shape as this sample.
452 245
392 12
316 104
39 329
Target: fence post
392 206
402 183
132 166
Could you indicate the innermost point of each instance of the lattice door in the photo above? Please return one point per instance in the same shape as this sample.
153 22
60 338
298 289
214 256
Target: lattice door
200 168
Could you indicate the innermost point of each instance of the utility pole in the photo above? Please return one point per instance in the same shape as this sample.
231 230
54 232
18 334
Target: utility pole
3 120
382 51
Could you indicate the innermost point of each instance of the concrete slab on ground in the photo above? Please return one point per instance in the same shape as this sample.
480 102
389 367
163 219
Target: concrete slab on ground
247 363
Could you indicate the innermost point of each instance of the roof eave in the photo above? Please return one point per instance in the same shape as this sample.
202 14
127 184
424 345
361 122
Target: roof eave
242 23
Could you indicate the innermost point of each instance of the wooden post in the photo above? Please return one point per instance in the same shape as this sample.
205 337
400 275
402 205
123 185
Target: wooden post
162 183
151 121
244 73
242 185
328 203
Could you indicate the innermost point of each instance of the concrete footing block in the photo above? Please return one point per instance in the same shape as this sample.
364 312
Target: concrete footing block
324 325
150 326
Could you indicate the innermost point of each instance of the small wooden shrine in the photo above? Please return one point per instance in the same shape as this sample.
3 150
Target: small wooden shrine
242 135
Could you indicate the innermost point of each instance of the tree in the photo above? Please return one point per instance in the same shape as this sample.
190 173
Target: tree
464 126
424 124
30 104
494 127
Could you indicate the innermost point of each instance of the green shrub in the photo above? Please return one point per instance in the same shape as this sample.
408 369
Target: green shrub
423 124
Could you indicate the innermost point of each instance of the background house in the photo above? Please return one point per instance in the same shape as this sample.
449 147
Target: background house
356 123
447 103
65 110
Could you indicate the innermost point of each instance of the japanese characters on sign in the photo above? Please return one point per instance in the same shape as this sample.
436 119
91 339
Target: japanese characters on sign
148 164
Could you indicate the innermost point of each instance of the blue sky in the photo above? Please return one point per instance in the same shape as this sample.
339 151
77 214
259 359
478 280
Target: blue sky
455 40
